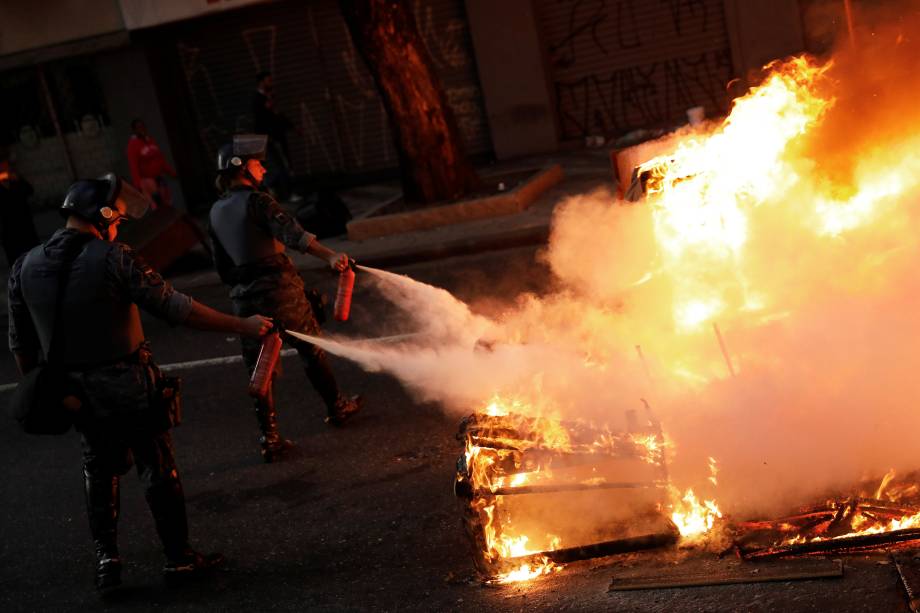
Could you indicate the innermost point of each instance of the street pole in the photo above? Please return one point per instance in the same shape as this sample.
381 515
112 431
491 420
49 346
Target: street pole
49 102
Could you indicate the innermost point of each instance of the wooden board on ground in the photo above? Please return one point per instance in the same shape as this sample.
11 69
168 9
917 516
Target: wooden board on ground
695 573
908 566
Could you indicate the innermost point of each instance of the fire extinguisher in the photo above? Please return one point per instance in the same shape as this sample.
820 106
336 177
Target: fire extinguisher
343 294
261 380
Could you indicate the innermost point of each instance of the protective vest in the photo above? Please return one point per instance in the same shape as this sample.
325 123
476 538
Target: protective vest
243 240
99 323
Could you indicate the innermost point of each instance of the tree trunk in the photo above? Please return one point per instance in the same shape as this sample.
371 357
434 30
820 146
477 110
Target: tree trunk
432 161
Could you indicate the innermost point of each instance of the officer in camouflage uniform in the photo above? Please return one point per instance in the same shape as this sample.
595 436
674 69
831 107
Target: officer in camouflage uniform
100 343
249 232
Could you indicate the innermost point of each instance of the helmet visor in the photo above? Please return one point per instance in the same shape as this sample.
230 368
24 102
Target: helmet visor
250 145
130 202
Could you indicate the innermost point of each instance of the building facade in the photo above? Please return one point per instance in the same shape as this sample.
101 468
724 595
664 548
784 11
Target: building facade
522 77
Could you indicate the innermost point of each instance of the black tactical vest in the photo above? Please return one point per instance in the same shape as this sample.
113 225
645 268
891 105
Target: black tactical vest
241 238
99 323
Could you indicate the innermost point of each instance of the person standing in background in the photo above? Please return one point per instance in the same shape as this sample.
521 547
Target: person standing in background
268 121
17 230
149 167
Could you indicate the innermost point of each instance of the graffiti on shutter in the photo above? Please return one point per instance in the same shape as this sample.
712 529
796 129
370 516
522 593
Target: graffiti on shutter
618 65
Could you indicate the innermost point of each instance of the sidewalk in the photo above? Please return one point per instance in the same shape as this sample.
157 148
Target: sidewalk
585 170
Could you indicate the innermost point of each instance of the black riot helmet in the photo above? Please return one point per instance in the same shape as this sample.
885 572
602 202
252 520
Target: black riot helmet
101 201
233 156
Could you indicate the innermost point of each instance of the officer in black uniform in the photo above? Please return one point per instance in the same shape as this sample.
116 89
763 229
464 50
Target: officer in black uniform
100 343
249 232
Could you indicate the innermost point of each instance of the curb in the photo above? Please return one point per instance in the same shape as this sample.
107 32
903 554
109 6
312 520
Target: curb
503 204
521 237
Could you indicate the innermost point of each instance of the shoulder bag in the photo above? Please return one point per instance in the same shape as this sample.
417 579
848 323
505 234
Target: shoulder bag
37 403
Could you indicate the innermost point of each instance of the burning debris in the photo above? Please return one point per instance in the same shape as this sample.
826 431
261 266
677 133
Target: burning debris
539 492
848 525
770 277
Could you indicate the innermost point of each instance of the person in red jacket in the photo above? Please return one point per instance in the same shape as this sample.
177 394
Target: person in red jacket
149 167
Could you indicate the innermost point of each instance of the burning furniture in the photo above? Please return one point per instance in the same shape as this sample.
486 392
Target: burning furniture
538 492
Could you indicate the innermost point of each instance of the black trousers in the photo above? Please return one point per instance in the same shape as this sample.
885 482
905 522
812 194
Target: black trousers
111 445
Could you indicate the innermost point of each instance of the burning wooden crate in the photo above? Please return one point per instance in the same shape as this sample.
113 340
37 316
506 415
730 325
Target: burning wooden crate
537 493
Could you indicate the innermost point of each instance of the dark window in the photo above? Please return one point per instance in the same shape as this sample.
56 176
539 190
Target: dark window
77 95
22 106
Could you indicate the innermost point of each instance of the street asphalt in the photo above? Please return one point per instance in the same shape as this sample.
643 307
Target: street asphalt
361 519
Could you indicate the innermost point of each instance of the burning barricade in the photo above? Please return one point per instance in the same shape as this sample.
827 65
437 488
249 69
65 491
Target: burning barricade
537 492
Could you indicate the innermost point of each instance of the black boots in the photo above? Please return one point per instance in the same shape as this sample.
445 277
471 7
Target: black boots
343 409
167 504
102 508
163 491
188 564
274 446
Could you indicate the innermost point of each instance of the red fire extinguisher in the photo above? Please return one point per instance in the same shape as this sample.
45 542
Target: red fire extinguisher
343 294
261 380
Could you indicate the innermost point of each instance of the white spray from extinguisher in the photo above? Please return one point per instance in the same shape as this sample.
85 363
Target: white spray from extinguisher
436 313
438 317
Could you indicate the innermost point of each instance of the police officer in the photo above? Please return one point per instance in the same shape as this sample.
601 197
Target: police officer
249 232
99 341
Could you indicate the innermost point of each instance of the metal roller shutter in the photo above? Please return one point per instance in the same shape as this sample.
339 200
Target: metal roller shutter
620 65
321 83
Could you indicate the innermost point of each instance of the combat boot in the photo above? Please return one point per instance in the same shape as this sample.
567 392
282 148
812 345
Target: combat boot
188 564
108 572
344 408
274 446
102 507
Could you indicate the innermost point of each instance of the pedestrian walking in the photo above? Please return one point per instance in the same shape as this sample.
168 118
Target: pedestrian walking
250 231
149 167
73 302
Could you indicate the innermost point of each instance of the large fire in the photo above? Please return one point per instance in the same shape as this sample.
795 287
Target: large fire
724 201
718 200
703 192
762 296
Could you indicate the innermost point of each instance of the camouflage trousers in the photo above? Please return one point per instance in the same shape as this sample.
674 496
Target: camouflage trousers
286 303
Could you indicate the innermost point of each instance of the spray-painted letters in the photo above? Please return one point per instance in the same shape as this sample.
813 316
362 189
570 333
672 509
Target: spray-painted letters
625 64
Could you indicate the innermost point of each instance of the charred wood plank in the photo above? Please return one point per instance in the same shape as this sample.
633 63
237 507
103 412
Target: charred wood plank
909 571
849 543
727 574
793 521
568 487
599 550
886 507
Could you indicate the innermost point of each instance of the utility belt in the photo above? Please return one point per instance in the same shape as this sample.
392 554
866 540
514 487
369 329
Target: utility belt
259 269
164 393
141 355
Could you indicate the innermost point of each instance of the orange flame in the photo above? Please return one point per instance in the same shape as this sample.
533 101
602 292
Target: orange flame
693 518
702 193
